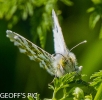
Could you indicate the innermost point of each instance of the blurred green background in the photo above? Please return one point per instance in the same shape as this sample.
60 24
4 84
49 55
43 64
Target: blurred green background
80 20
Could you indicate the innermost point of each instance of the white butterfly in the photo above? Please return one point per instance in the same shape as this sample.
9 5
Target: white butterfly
58 64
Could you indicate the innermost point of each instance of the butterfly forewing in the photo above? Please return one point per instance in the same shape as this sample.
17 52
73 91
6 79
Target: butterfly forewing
34 52
59 44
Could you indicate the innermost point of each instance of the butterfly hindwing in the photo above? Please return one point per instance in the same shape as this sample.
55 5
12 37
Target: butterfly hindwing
34 52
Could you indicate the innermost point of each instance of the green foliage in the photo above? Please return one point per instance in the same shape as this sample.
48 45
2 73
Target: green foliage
38 10
97 79
15 10
61 84
67 2
94 18
34 98
70 87
30 98
40 14
99 93
97 84
79 95
96 14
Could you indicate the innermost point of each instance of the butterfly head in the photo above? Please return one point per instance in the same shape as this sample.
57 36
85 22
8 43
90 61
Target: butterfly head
66 63
70 61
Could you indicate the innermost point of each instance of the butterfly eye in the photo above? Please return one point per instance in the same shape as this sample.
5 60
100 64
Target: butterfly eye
64 61
70 59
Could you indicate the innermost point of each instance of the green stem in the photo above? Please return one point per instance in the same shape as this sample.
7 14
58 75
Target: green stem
54 94
99 93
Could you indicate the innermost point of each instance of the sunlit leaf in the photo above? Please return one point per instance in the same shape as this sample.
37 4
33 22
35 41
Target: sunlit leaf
30 8
97 1
78 94
88 97
30 98
94 18
67 2
91 9
24 14
97 79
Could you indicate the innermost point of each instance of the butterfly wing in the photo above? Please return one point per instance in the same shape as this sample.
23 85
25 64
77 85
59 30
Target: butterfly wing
59 44
34 52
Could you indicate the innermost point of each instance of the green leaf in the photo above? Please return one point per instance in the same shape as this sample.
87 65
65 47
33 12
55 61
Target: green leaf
42 36
94 18
24 14
88 97
91 9
67 2
30 98
30 8
36 97
64 80
63 86
97 1
60 85
97 79
51 87
78 94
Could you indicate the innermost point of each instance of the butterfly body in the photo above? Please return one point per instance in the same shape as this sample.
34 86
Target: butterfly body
65 64
58 64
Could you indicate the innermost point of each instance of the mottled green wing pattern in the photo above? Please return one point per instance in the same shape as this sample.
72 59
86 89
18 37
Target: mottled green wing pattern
34 52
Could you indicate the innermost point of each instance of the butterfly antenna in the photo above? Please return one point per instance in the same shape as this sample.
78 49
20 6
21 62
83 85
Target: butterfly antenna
78 45
59 54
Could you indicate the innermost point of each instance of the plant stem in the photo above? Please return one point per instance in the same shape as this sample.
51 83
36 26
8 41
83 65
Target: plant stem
99 93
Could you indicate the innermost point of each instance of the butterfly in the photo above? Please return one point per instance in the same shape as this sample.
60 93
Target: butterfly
58 64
